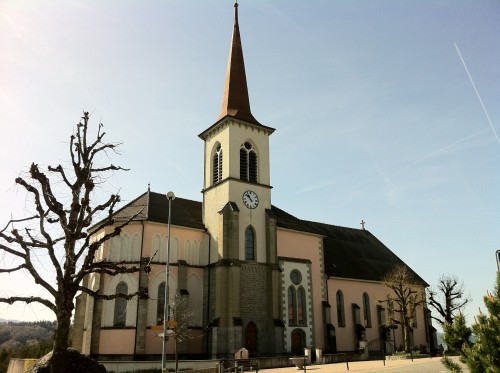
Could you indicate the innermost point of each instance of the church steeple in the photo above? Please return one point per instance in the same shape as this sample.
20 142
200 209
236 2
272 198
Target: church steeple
236 102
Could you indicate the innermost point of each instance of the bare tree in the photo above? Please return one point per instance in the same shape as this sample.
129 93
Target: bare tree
447 299
64 211
181 327
407 295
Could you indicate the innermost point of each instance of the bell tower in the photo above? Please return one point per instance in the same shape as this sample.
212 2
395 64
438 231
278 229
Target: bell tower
237 214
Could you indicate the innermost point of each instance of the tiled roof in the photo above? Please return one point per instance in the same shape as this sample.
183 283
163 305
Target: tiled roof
349 253
358 254
153 206
288 221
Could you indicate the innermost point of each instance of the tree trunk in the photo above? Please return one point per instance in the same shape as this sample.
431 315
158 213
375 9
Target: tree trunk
407 338
61 338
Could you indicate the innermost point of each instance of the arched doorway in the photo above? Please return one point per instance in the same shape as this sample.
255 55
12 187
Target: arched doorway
297 342
251 337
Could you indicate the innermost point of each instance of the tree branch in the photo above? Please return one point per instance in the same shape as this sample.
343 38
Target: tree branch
28 300
142 293
109 268
110 168
60 170
12 221
11 251
10 270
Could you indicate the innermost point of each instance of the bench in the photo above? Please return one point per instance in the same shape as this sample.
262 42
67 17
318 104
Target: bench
238 365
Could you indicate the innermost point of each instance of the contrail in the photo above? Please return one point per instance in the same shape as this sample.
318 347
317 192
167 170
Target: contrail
477 93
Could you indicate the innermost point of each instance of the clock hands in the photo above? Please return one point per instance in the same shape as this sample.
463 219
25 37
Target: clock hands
250 199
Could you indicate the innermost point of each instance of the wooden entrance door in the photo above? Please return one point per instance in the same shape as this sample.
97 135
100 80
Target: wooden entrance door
297 343
251 337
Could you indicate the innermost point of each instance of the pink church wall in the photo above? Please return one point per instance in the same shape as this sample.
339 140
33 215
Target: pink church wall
122 341
152 229
117 341
180 233
307 246
353 293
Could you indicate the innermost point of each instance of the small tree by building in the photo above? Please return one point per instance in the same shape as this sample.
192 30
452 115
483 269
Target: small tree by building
447 299
65 207
407 296
181 331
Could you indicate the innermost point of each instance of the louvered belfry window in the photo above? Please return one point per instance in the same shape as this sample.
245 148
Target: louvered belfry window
248 163
217 165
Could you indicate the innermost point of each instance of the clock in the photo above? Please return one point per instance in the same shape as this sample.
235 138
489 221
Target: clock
250 199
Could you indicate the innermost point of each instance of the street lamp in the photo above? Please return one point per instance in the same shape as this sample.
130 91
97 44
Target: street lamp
166 306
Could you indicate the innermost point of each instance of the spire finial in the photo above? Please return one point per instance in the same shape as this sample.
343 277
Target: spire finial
236 12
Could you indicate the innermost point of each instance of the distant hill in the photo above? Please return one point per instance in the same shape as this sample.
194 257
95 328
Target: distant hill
5 321
20 333
24 339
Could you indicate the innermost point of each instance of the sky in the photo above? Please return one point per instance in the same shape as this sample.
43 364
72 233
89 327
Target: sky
385 111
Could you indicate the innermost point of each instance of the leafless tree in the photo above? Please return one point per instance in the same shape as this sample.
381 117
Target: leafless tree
447 299
63 201
181 329
407 295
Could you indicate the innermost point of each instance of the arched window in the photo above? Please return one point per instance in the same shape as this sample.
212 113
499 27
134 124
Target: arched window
292 306
301 306
390 310
174 250
249 244
217 165
126 252
115 248
248 163
195 256
120 316
160 305
297 310
340 308
202 255
366 311
156 248
195 299
136 248
187 251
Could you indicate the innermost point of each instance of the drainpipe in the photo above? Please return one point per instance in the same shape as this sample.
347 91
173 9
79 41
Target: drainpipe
138 300
208 292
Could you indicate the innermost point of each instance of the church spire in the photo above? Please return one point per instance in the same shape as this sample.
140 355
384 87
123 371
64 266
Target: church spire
236 102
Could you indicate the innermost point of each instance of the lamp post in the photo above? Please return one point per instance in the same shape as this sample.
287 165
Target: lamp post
166 306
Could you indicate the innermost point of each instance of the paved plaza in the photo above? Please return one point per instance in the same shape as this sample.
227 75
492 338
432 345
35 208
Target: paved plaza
427 365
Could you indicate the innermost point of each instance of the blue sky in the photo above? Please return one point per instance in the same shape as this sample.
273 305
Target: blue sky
375 112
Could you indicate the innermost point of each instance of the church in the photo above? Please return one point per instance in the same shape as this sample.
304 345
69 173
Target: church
253 275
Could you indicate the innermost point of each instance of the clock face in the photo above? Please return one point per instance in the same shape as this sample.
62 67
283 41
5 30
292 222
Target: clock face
250 199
